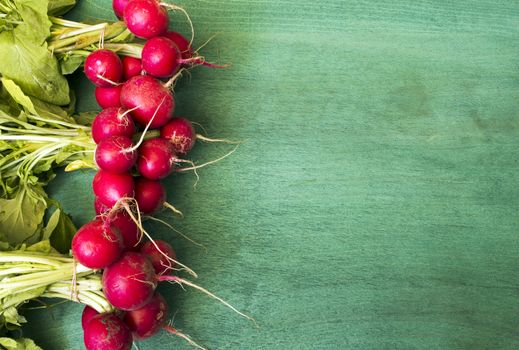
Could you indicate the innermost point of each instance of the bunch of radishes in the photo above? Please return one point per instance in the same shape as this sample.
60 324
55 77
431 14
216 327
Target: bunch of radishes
128 183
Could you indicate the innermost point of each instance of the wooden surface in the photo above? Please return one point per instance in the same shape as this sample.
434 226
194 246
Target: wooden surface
374 204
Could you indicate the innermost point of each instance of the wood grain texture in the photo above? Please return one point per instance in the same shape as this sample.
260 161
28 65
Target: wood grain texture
374 203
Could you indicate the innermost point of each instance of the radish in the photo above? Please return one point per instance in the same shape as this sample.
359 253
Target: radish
161 57
104 68
127 228
149 101
146 18
107 332
182 43
111 188
107 97
150 195
149 319
116 154
161 263
131 67
87 315
156 159
180 133
119 6
99 207
96 245
112 122
129 283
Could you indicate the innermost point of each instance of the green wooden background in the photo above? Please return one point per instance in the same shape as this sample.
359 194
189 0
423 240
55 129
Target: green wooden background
374 204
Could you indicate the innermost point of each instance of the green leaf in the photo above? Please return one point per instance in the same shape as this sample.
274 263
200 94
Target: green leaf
70 64
19 344
60 230
40 247
51 111
25 58
36 23
59 7
11 317
21 215
18 95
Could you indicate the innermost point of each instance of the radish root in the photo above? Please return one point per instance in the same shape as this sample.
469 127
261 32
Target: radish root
177 231
178 8
173 209
208 139
174 331
108 80
182 281
143 134
123 204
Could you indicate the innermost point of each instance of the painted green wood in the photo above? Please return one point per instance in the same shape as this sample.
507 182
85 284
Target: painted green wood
374 203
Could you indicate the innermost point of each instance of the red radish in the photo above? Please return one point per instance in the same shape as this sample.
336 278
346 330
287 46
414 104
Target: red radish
96 245
182 43
99 207
146 18
119 6
131 67
156 159
150 195
87 315
104 68
116 154
148 99
112 122
110 188
161 57
149 319
107 332
107 97
127 228
129 283
161 263
180 133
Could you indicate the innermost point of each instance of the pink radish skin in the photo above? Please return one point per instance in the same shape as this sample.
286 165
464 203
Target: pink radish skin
116 154
110 188
149 319
107 97
156 159
119 6
182 43
99 207
161 57
87 315
127 228
149 99
146 18
150 195
106 64
131 67
180 133
112 122
130 282
107 331
96 245
161 264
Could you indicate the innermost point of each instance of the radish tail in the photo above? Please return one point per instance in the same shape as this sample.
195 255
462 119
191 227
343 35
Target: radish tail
182 281
172 330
